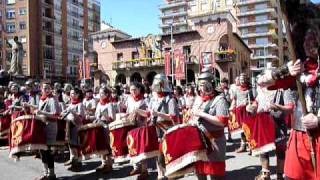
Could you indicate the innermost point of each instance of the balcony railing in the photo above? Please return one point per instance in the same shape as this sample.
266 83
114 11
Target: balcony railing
225 55
171 5
247 2
259 11
271 32
273 23
173 14
137 63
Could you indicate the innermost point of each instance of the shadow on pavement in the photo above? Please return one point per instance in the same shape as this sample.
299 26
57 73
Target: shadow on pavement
246 173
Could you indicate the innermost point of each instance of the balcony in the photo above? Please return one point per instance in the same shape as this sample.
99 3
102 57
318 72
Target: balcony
272 33
174 14
171 5
249 12
270 45
269 56
184 22
272 23
137 63
225 56
247 2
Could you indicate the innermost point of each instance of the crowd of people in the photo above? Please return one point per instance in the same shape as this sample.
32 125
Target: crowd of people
181 129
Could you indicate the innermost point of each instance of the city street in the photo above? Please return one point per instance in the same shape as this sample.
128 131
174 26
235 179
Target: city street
239 167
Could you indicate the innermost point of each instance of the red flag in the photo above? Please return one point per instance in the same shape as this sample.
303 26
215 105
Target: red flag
179 65
167 62
80 69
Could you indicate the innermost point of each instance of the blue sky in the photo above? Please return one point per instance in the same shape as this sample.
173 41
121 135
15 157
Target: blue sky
136 17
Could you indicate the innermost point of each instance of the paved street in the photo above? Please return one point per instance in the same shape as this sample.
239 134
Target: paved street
239 167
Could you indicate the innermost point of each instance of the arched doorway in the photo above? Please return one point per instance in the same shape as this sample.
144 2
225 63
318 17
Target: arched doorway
190 77
150 77
216 74
135 77
121 78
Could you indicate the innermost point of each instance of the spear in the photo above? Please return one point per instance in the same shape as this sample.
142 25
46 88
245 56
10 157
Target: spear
298 84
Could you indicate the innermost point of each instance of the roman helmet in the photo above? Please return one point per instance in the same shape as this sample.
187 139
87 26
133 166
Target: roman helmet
206 79
67 87
161 83
57 86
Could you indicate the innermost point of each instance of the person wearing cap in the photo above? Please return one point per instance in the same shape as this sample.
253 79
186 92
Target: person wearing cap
210 113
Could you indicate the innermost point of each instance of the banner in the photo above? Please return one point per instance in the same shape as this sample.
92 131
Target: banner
180 66
167 62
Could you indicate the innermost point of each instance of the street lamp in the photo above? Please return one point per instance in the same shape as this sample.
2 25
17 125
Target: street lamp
172 55
83 58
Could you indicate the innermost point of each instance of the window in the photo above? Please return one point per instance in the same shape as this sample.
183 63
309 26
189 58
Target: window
244 31
120 56
135 55
23 11
11 14
261 18
204 5
262 29
261 6
11 2
243 9
23 25
261 52
0 13
262 41
229 2
23 39
11 28
218 4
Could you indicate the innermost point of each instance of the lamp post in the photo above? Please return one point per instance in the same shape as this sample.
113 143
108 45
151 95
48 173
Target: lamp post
83 59
172 51
265 57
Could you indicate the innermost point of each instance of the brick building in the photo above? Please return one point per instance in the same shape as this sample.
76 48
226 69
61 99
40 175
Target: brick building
52 33
124 59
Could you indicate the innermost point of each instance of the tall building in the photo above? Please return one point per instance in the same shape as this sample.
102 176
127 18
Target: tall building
54 34
174 12
177 13
261 26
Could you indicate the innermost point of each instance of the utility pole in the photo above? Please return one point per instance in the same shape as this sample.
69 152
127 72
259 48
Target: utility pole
172 51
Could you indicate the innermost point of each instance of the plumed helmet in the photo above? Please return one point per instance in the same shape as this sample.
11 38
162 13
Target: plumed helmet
67 87
57 86
161 83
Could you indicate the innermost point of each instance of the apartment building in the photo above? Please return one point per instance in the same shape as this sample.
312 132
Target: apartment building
261 26
54 34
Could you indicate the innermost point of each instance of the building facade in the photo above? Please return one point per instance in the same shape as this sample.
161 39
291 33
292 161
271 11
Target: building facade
177 13
54 34
261 26
126 59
